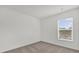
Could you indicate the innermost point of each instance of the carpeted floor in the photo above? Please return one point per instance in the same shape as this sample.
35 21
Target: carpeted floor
42 47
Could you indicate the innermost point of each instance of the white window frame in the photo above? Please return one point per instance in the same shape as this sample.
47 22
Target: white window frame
64 29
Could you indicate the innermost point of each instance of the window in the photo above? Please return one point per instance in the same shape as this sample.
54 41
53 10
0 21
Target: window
65 29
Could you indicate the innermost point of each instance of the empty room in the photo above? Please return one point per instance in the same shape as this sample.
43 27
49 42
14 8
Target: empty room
39 28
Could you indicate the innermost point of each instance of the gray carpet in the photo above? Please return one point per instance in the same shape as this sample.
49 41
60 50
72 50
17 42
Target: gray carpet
42 47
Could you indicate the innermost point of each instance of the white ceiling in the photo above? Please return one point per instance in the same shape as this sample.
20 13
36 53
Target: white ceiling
40 11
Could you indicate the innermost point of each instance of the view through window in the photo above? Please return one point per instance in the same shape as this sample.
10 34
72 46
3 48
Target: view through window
65 29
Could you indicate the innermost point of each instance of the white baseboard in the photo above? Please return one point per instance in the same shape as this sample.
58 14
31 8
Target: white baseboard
17 46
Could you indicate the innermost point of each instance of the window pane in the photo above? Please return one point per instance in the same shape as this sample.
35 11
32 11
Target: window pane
65 29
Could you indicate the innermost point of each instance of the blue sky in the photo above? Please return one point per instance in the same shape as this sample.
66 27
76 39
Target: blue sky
65 23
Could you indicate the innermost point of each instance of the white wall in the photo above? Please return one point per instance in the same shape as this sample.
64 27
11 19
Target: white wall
49 29
17 29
